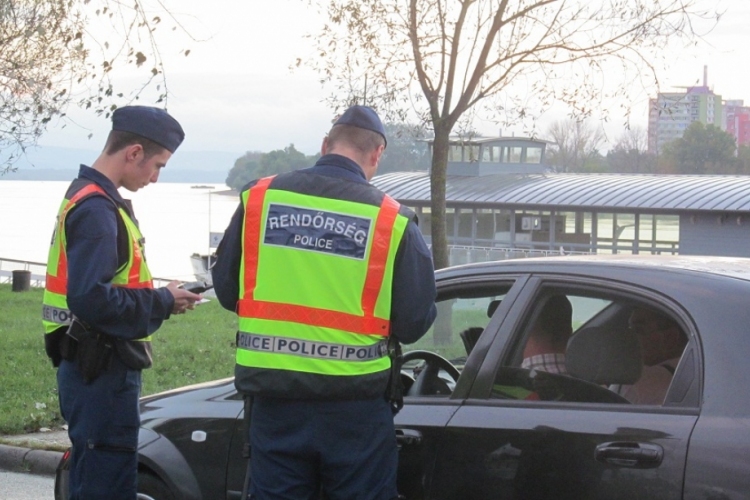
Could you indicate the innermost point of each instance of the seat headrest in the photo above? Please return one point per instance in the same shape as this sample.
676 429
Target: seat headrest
604 356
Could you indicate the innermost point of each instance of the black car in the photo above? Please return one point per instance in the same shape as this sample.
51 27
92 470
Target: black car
476 424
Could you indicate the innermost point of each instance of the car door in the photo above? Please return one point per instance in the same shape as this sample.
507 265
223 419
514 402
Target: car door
462 305
541 435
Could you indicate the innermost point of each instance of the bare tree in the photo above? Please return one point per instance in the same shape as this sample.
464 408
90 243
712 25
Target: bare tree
440 58
576 145
61 52
630 154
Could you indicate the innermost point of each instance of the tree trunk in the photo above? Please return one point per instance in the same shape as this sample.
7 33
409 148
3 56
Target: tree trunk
440 254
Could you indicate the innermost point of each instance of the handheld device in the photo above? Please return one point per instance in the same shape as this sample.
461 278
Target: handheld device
196 286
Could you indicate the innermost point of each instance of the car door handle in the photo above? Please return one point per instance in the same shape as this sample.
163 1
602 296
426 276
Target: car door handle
630 454
408 437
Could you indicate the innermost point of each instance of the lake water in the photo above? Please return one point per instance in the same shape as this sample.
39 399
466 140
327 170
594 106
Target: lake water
176 219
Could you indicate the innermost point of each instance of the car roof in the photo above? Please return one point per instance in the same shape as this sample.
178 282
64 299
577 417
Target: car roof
734 267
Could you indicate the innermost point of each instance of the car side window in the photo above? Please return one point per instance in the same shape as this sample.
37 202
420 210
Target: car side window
591 347
462 317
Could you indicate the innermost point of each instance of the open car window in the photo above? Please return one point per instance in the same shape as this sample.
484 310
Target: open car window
463 313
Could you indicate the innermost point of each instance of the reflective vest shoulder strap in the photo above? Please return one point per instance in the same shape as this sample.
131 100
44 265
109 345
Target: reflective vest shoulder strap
58 282
253 219
379 256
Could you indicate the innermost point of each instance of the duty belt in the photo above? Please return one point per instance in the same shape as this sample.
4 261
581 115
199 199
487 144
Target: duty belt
311 349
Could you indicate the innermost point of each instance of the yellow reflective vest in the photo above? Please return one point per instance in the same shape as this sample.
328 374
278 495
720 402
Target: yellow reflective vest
315 288
134 274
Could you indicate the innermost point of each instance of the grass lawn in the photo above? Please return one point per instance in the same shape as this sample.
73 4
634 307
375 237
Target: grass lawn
188 348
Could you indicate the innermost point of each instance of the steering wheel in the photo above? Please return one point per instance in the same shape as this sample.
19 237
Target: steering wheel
520 383
427 381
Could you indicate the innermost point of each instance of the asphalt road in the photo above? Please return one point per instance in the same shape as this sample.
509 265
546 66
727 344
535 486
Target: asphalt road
25 486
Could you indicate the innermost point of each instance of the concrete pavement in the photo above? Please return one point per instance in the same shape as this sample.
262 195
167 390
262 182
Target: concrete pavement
38 453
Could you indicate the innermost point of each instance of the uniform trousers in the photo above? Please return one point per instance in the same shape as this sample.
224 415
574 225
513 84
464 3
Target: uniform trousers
347 449
103 420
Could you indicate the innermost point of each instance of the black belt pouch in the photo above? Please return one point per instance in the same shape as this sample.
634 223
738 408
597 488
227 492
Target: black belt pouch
93 350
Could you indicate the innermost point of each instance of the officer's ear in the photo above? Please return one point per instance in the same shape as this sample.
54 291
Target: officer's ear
133 153
376 154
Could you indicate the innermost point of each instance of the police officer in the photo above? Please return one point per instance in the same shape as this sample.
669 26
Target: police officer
100 306
323 269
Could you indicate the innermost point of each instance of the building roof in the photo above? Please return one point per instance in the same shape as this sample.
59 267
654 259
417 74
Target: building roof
454 139
617 192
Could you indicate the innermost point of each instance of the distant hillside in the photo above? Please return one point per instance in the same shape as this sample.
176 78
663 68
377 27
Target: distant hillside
53 163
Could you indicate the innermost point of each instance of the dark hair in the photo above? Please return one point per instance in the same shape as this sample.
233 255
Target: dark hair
662 321
555 319
118 140
361 139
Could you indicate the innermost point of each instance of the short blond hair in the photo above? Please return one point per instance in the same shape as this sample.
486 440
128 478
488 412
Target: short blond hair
361 139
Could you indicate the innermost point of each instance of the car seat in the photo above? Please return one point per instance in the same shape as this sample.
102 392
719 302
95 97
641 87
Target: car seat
470 336
604 356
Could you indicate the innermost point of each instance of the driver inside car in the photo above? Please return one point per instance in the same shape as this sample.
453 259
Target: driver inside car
548 337
544 350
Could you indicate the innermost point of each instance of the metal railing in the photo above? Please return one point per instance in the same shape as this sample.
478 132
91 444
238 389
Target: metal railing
459 254
39 272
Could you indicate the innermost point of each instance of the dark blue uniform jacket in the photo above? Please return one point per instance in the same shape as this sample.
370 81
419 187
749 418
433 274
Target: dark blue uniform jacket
93 260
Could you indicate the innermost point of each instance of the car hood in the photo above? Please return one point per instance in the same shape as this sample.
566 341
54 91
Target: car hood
188 394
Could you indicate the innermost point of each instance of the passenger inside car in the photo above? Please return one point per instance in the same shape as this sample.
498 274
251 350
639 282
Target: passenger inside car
549 335
662 343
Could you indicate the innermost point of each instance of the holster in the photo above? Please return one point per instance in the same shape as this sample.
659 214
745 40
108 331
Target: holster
91 350
53 345
395 390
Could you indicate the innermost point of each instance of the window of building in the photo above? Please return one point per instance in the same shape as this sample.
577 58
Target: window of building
573 231
623 233
465 225
604 232
497 154
455 152
486 224
471 152
450 221
533 155
514 154
486 154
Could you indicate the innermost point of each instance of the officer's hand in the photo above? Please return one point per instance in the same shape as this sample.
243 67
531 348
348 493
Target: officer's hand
183 300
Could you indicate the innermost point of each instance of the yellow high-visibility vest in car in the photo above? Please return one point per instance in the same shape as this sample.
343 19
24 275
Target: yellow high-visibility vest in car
133 274
315 291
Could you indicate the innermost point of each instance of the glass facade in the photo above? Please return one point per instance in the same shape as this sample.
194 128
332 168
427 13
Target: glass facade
480 234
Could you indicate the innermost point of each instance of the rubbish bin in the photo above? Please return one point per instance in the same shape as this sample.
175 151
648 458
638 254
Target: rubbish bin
21 281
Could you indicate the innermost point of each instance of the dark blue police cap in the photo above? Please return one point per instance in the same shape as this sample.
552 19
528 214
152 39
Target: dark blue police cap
363 117
152 123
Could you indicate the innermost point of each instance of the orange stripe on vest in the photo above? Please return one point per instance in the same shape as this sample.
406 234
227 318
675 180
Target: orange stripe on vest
59 284
367 324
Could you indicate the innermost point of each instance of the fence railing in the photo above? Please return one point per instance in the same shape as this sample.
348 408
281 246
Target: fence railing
468 254
39 272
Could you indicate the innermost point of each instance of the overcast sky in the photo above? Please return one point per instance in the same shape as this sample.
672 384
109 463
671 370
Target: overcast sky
235 91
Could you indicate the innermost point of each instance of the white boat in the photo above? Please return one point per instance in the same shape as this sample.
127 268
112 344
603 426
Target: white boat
202 263
202 267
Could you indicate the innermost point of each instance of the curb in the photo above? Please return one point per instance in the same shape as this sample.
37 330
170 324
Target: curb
16 459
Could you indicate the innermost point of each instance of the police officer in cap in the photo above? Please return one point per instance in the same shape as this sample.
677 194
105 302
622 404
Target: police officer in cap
323 269
100 306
